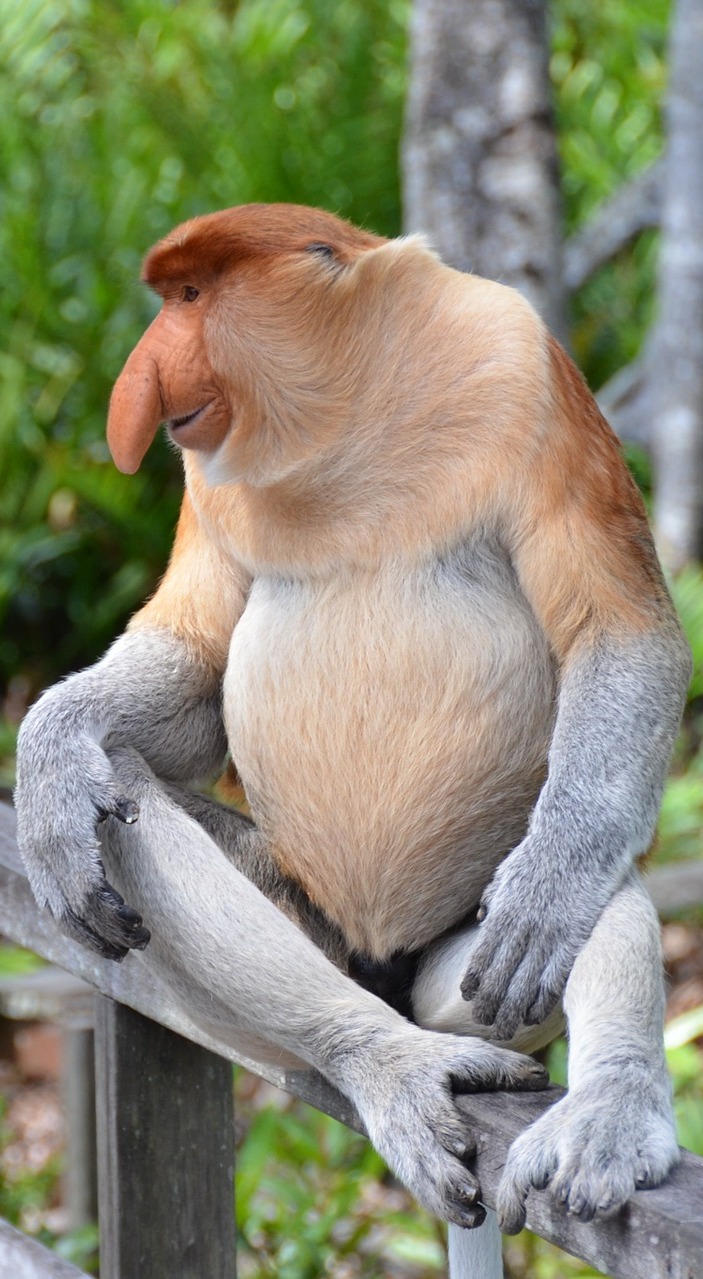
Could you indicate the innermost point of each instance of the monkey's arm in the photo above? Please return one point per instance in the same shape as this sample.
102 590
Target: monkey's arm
157 689
585 559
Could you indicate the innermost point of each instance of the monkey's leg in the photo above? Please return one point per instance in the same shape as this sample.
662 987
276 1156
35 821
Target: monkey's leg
246 848
614 1131
242 970
439 1005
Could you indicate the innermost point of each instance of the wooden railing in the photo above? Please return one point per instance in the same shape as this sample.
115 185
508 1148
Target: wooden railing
165 1128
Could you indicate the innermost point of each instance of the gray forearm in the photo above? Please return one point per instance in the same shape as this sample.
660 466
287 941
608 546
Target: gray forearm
146 692
619 711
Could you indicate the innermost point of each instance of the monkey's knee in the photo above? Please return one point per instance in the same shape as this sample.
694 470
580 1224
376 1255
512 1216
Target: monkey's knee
153 814
438 1004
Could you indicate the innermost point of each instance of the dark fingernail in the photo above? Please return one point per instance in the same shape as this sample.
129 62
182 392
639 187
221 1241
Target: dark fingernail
471 1218
129 915
126 810
470 985
141 940
513 1225
469 1191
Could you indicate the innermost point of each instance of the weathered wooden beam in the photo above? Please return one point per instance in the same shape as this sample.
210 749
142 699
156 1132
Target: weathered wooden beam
659 1234
165 1151
51 994
25 1258
667 1223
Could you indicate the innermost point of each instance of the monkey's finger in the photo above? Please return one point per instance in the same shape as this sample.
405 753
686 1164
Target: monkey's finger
551 986
518 998
494 1067
81 932
458 1141
480 960
105 916
470 1216
547 999
495 984
125 810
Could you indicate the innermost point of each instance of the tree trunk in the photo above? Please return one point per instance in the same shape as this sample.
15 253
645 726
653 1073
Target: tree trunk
479 155
676 346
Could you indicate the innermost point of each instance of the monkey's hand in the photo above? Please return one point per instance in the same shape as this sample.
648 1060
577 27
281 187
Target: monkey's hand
535 916
408 1109
65 788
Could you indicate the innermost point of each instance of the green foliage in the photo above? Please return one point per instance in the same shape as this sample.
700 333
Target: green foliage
15 961
8 740
608 67
121 120
307 1202
687 590
26 1196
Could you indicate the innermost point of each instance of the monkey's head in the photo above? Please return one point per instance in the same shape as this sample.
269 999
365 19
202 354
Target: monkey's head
243 360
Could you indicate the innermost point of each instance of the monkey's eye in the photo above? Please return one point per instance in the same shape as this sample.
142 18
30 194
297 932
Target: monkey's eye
189 293
322 250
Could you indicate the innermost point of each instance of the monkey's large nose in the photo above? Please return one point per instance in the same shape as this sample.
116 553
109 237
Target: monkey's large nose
135 409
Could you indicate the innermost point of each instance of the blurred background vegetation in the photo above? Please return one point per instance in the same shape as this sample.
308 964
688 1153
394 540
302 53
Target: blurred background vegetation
121 118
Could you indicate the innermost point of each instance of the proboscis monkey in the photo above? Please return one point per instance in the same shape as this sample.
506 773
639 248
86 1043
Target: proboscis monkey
414 593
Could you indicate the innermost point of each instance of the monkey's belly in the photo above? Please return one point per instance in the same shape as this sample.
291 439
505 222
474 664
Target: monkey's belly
391 732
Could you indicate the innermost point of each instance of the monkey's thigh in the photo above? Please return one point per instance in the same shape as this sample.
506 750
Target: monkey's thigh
227 954
438 1004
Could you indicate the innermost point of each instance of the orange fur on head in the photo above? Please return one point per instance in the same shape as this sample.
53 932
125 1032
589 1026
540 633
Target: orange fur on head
208 247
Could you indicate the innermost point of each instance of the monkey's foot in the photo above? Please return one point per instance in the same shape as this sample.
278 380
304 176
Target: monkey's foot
603 1141
410 1116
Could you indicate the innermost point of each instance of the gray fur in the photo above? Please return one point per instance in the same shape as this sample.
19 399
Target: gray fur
619 711
561 901
241 968
147 693
246 848
614 1132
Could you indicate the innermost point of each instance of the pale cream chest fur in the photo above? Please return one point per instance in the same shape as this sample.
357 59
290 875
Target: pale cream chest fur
380 717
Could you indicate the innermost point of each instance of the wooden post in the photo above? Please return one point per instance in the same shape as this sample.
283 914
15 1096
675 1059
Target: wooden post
78 1086
165 1152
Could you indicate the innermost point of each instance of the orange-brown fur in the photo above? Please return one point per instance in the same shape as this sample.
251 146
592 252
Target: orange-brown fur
201 597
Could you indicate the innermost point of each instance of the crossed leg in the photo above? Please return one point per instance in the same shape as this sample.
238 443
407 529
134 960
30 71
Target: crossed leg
237 961
245 973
